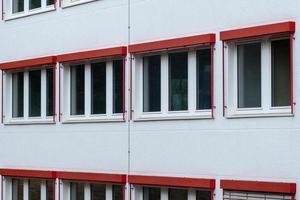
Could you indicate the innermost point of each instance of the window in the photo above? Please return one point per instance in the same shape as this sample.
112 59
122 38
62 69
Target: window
178 194
17 189
34 189
35 93
203 195
94 91
76 191
151 193
49 189
235 195
97 191
18 94
259 77
117 192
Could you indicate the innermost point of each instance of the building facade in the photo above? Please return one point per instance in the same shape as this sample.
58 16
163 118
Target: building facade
149 100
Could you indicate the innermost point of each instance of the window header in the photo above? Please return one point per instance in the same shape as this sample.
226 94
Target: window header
259 186
270 29
172 181
172 43
99 53
28 63
28 173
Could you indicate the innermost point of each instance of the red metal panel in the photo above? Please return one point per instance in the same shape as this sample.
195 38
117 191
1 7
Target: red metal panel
172 181
270 29
100 53
80 176
28 173
28 63
259 186
172 43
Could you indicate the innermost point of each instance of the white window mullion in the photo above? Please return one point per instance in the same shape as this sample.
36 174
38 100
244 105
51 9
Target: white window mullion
109 88
26 95
87 191
164 193
234 80
43 4
7 89
164 84
137 69
266 75
191 194
192 76
43 190
43 93
108 192
26 6
87 90
65 91
26 189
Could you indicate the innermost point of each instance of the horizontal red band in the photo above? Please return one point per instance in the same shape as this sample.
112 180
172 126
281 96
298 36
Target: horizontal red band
284 27
259 186
172 43
172 181
28 173
28 63
100 53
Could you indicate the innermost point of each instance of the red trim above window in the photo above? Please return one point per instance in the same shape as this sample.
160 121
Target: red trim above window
172 43
270 29
172 181
99 53
259 186
28 63
28 173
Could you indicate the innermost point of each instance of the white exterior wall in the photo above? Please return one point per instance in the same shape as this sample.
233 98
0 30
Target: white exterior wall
246 149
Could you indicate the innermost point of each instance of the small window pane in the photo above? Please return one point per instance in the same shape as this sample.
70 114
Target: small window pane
178 81
77 90
98 88
117 86
34 189
151 83
249 75
18 94
17 6
203 79
50 2
203 195
77 191
117 192
281 73
17 189
151 193
178 194
49 88
97 191
35 93
34 4
49 190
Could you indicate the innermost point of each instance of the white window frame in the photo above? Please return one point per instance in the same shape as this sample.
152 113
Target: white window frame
7 101
66 97
165 114
231 85
71 3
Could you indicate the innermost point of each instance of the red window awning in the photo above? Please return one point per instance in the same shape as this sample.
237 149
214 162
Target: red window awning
27 63
28 173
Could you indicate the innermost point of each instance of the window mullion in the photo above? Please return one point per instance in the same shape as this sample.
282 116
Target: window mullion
164 84
26 6
43 188
43 93
191 194
192 89
7 89
266 75
87 90
234 72
87 191
108 192
109 88
26 95
137 91
164 194
26 189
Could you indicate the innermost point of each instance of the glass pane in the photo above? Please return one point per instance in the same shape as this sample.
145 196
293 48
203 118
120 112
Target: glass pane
203 79
281 73
17 6
178 81
17 94
98 88
178 194
249 75
117 192
150 193
17 189
49 190
151 84
34 189
50 2
77 191
97 191
203 195
35 93
49 88
117 86
77 90
34 4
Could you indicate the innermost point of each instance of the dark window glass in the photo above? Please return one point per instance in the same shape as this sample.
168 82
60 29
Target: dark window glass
117 192
34 4
35 93
203 79
77 90
49 88
50 2
203 195
17 6
17 189
77 191
18 94
98 88
34 189
117 86
151 83
178 194
151 193
97 191
49 189
249 75
178 81
281 73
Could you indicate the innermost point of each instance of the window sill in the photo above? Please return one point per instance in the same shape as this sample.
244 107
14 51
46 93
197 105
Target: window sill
93 119
29 121
30 13
75 3
259 112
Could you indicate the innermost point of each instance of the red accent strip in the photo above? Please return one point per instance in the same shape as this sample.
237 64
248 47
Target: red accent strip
100 53
292 73
172 43
288 27
28 173
28 63
172 181
112 178
259 186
